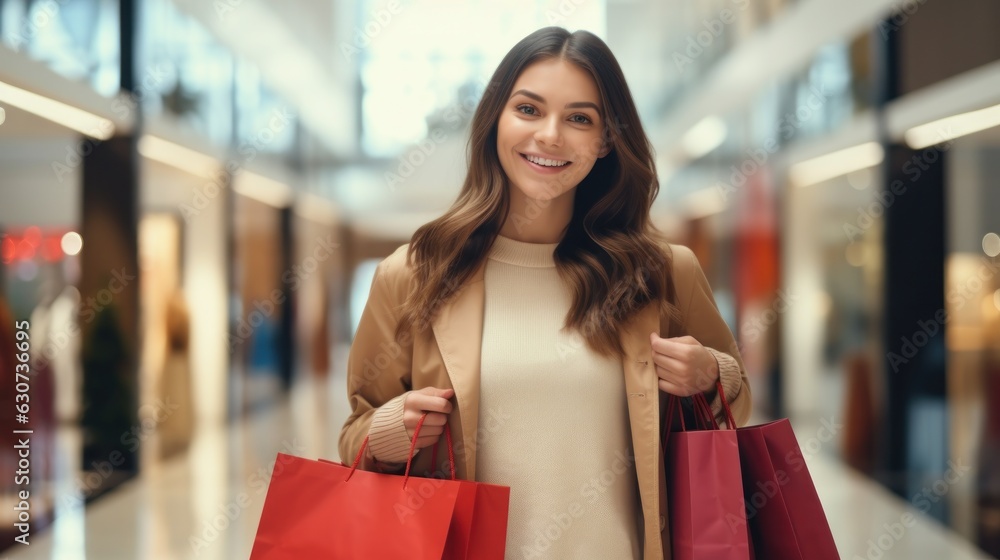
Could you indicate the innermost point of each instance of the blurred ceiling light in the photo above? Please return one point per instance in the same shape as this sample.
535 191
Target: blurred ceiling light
71 243
58 112
835 164
952 127
3 115
263 189
175 155
703 203
991 244
704 137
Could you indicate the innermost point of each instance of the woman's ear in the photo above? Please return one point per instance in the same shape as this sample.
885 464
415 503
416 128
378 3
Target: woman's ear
606 148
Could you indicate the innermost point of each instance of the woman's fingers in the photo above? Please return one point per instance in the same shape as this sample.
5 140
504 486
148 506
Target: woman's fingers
674 389
667 367
430 399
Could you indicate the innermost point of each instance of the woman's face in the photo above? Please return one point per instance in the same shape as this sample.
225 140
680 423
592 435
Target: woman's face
551 129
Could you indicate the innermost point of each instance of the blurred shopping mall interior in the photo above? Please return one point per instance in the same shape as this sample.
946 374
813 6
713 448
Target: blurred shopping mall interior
194 196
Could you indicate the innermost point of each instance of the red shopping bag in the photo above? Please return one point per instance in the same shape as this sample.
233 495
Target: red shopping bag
320 509
783 512
705 488
479 525
786 518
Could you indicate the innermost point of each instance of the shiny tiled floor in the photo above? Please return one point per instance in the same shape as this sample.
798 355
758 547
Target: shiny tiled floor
206 504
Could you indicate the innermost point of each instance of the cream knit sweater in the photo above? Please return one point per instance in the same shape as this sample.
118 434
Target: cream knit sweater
562 442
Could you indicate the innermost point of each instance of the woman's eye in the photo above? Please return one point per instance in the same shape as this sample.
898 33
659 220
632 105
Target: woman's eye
523 108
584 119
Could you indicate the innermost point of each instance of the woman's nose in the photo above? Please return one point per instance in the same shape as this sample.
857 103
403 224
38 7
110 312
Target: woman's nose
548 132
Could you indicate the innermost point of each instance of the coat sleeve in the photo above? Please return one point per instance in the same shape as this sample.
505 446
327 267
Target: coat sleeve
378 369
700 319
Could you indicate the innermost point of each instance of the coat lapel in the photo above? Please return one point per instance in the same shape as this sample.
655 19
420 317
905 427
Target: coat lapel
458 330
643 392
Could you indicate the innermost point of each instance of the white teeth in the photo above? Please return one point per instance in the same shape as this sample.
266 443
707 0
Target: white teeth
546 162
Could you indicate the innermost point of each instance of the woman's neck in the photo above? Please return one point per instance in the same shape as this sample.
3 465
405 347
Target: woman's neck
538 221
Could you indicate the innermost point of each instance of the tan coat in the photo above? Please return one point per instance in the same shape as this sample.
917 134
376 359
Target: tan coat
448 356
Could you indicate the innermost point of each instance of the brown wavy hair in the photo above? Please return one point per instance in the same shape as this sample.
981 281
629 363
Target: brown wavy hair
611 255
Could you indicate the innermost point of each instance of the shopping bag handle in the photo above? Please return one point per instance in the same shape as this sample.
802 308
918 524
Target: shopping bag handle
730 419
451 452
701 403
413 445
702 412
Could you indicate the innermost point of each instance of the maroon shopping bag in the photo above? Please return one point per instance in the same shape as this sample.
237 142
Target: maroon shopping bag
705 489
320 509
783 512
786 518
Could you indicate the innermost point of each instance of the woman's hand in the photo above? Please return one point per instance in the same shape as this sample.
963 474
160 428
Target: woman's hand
684 366
435 402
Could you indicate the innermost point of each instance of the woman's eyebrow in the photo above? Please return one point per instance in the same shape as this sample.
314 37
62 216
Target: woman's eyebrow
574 105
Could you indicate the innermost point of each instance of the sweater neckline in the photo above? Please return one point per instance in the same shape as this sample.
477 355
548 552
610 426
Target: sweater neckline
521 253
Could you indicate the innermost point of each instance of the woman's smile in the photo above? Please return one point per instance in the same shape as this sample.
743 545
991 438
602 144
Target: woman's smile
546 166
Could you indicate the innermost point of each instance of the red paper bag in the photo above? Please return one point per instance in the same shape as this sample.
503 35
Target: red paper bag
321 509
705 489
479 525
786 518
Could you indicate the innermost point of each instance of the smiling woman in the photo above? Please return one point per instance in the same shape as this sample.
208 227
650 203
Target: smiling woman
539 298
550 135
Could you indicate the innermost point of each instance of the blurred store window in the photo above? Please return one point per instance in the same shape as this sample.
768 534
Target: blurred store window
972 316
78 39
